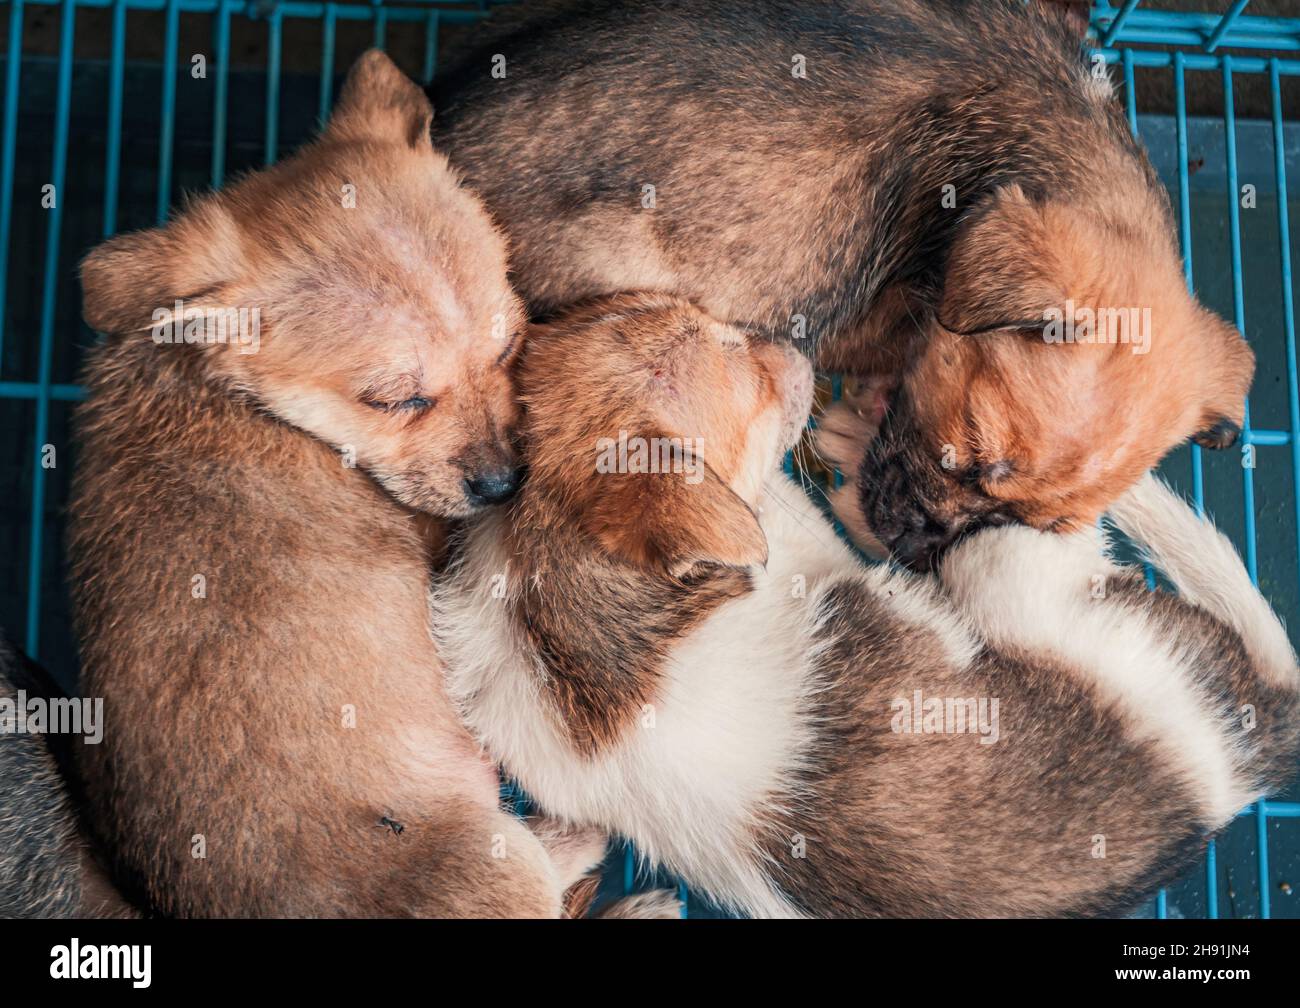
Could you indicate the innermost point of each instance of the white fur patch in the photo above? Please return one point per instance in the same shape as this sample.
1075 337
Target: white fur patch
689 778
1037 591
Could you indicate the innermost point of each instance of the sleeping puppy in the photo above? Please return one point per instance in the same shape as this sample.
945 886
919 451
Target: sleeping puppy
662 636
941 195
291 367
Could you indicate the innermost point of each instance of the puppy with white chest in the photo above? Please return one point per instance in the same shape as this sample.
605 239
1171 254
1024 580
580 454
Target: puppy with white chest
684 653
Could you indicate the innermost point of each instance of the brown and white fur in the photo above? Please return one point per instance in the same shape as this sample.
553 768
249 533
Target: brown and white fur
705 668
248 580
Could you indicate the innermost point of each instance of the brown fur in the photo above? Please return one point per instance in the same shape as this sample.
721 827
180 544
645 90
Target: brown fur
227 708
815 205
995 425
49 864
363 308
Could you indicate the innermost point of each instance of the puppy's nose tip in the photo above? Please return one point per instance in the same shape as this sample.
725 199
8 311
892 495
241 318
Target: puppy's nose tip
492 486
920 551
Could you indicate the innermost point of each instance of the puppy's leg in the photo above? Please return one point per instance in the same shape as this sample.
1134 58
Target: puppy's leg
575 851
1250 673
468 861
576 854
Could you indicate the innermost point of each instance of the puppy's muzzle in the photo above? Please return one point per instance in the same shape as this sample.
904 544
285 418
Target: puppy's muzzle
915 511
921 548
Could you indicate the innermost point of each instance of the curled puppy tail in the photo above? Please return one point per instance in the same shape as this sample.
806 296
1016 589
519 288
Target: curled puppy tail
1204 567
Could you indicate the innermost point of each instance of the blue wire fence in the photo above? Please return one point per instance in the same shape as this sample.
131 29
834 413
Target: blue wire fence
1199 41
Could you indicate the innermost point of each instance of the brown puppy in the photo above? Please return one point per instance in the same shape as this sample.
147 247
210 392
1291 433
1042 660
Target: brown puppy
911 186
250 602
662 635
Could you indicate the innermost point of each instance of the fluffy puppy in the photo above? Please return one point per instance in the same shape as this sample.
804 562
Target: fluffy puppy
248 581
908 188
678 648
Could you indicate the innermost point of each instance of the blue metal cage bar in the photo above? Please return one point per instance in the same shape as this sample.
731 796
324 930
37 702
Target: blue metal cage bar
1197 38
1128 24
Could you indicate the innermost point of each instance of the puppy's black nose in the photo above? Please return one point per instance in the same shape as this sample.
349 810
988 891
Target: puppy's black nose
917 551
492 486
920 549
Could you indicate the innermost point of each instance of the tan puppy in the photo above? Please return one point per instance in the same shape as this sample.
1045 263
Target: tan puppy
663 636
250 602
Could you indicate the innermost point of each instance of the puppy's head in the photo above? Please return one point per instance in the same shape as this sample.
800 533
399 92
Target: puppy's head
362 292
652 427
1064 359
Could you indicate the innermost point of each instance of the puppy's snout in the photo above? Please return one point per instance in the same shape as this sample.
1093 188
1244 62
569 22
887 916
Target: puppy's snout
493 486
920 549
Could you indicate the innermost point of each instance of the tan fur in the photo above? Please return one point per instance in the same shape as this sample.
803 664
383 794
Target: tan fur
1045 408
994 419
286 712
660 904
362 307
842 432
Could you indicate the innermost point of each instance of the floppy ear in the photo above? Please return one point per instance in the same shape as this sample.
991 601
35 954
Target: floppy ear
126 279
673 521
1233 367
379 102
1002 272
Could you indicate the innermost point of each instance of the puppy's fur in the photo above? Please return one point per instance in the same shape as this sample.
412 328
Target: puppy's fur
935 176
250 603
738 716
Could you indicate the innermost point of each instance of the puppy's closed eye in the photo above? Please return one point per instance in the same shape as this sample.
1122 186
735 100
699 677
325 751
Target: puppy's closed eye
414 404
511 350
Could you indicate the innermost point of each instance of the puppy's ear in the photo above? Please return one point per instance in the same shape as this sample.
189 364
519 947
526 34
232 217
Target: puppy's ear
1231 371
379 102
1002 272
127 279
673 521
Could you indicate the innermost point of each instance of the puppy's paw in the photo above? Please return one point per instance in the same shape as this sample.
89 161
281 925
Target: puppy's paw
574 850
846 505
844 433
660 904
849 425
